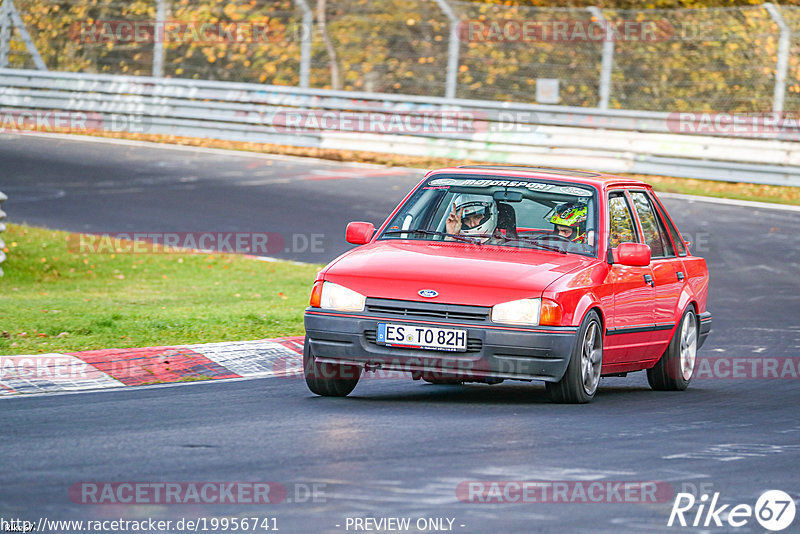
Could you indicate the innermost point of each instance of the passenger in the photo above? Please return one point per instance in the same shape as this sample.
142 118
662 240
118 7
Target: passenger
569 221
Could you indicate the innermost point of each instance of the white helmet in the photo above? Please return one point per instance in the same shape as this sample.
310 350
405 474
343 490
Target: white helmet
474 205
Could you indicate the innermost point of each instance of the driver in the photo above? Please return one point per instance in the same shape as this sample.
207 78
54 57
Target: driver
472 215
569 221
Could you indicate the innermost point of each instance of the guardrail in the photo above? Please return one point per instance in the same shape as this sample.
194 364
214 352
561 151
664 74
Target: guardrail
620 141
3 198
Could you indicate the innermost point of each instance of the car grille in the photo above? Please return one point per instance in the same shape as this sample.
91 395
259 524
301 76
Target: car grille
427 310
473 344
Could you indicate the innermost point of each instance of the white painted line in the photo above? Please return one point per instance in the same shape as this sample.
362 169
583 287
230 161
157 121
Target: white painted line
271 259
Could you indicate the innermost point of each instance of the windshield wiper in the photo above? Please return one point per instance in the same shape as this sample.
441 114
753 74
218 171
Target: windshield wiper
535 243
457 237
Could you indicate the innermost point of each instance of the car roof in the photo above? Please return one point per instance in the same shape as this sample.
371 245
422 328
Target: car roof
598 179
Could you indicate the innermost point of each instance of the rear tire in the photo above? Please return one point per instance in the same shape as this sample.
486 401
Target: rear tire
328 379
675 369
580 381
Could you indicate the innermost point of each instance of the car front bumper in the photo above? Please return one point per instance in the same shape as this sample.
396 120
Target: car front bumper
494 351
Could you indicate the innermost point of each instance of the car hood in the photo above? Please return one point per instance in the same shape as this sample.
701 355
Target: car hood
477 275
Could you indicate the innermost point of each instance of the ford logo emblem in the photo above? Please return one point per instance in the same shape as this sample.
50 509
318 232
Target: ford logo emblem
428 293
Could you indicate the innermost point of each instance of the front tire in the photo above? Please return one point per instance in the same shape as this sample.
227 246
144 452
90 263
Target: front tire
675 369
579 383
328 379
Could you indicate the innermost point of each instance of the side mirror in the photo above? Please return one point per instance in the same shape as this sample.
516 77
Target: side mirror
632 254
359 233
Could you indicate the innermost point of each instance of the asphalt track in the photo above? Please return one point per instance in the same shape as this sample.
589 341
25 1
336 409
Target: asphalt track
394 448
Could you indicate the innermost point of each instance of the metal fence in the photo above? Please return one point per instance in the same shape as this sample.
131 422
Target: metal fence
742 59
632 142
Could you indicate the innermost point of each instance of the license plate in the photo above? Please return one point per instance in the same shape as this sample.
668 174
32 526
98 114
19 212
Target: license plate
422 337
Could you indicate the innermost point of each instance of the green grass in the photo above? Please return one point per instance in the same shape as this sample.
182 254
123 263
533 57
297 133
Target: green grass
55 300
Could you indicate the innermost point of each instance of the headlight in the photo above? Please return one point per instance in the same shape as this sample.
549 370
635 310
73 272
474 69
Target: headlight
524 312
336 297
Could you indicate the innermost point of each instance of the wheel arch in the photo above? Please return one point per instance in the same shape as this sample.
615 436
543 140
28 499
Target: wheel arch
687 298
586 304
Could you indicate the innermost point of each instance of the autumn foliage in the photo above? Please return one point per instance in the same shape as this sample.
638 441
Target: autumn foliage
721 58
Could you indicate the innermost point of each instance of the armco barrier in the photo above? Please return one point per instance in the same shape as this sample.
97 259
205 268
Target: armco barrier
3 198
605 140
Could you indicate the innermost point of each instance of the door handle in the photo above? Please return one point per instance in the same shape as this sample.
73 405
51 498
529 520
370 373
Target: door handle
648 279
681 276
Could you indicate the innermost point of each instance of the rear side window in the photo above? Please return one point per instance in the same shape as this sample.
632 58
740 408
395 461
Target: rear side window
655 234
676 237
620 221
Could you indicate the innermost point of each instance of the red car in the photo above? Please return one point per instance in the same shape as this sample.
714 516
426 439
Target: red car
485 273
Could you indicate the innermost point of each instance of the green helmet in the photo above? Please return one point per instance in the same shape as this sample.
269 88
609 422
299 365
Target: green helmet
573 215
569 214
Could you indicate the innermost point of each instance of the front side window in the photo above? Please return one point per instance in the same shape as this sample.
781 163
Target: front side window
501 211
652 227
622 229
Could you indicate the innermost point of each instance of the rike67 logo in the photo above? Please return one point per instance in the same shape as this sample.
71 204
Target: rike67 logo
774 510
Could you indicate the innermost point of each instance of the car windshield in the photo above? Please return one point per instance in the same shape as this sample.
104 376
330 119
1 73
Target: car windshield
500 211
